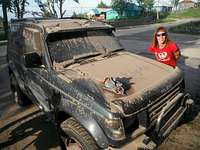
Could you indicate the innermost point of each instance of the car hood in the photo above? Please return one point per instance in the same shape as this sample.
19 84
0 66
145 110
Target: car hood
142 78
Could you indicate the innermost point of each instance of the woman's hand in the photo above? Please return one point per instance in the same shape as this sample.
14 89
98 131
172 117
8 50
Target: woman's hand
177 54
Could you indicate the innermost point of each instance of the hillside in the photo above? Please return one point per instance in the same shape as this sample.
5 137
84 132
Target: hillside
189 13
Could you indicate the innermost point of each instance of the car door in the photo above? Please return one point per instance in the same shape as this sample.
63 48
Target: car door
36 76
15 54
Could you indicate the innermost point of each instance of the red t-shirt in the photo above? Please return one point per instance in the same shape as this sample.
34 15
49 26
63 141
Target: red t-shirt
165 55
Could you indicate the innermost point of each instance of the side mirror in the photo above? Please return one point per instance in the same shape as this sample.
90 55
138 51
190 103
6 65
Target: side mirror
32 60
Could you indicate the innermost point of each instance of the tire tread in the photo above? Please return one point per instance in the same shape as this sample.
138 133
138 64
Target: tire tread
74 126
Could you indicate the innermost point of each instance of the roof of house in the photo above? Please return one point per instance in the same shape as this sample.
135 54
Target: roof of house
187 1
104 9
162 3
95 11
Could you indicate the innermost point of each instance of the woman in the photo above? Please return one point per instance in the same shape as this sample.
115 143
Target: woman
164 49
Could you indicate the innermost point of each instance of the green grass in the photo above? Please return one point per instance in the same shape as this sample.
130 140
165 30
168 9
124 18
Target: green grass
189 13
166 20
188 28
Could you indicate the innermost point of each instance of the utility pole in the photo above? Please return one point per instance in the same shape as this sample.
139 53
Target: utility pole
158 11
157 16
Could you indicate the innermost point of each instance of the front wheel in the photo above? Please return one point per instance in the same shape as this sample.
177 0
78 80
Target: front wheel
75 137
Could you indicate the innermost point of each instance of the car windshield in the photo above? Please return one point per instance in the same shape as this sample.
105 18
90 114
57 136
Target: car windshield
81 44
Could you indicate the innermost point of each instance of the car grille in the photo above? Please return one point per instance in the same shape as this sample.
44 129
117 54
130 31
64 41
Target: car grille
155 109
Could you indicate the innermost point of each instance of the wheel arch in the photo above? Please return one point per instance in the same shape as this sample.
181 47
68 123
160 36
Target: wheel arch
89 124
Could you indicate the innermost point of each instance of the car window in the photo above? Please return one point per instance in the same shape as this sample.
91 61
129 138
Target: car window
32 40
15 38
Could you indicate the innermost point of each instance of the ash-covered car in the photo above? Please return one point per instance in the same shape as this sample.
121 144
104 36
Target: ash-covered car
99 95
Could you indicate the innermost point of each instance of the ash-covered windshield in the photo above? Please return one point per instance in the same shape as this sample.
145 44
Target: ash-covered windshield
74 45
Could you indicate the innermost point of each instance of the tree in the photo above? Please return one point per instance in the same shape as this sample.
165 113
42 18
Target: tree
148 4
5 5
102 5
80 15
60 6
198 3
48 8
18 7
175 3
140 3
119 6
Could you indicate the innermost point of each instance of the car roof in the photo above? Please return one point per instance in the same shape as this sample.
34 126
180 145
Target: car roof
59 25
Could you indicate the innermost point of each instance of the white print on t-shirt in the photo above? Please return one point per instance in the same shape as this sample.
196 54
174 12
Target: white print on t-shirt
162 56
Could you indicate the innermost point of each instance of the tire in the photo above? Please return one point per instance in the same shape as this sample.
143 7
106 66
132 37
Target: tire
75 137
20 98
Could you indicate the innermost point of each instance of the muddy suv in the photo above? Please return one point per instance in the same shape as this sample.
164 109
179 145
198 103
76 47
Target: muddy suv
99 95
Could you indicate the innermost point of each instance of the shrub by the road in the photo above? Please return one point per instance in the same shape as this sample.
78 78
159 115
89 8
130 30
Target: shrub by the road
188 28
188 13
2 36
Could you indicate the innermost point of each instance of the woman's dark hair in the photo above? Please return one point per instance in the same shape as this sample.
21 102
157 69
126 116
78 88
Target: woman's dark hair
155 41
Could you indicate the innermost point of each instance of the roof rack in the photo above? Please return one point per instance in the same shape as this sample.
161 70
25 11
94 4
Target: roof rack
35 20
74 18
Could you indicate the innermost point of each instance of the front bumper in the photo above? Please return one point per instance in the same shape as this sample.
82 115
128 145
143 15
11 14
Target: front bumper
163 129
164 124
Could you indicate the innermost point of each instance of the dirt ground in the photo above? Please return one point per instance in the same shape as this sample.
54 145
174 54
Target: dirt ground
27 129
186 136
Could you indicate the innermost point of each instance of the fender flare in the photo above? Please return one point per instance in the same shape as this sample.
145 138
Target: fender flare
96 131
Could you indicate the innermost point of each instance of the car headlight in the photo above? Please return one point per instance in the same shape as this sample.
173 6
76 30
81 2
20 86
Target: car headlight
114 128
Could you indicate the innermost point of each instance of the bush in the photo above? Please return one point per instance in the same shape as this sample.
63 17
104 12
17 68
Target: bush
2 36
188 13
189 28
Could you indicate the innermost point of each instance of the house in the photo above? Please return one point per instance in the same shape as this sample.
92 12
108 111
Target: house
93 13
108 13
164 9
185 4
163 6
132 10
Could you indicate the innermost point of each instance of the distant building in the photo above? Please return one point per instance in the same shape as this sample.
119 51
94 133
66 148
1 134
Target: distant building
108 13
163 9
132 10
185 4
93 13
163 6
102 14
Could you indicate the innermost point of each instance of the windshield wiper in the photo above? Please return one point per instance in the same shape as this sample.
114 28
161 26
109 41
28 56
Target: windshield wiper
80 59
69 63
86 56
112 53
